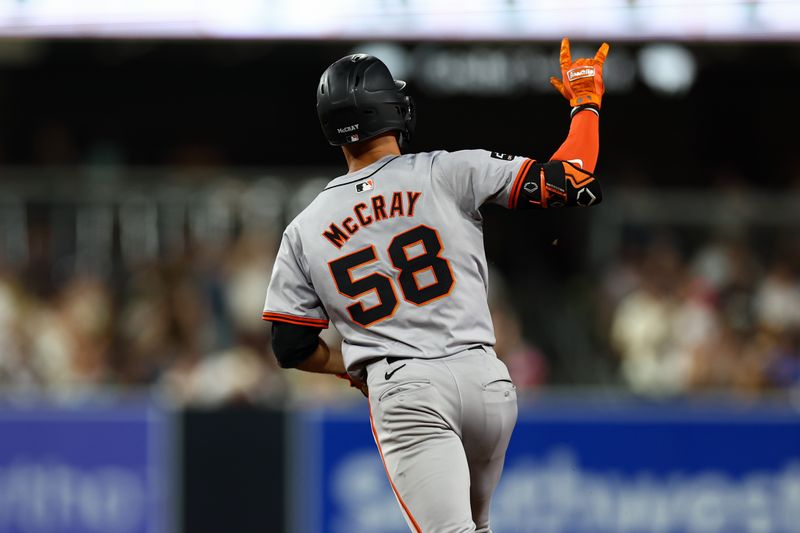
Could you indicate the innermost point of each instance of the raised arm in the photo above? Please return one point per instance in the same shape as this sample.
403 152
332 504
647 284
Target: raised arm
568 178
582 145
582 84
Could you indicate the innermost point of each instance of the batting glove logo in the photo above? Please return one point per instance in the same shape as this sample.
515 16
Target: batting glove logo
578 73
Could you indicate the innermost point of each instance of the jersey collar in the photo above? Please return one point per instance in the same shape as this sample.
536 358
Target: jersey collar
362 173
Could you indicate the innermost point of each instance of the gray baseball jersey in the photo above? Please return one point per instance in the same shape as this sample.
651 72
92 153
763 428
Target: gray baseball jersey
393 255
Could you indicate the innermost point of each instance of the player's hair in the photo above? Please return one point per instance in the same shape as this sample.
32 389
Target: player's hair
357 99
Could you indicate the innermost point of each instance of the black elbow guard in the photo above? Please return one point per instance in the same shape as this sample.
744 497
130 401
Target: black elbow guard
554 184
293 344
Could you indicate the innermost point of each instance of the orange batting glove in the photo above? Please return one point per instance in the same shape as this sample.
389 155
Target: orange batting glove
582 81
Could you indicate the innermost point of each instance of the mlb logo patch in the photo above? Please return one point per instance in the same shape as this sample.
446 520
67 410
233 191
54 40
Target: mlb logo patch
365 186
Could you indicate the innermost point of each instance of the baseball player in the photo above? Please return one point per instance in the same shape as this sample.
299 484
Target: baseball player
392 254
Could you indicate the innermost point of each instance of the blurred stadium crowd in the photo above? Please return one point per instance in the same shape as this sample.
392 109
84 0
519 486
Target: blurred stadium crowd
722 317
676 311
189 324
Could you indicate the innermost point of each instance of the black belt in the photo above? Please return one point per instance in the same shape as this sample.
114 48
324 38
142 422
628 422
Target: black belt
390 360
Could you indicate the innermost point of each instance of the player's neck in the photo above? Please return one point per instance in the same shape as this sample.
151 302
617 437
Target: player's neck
365 153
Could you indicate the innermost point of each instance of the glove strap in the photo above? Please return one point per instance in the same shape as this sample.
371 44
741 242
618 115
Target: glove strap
594 108
585 99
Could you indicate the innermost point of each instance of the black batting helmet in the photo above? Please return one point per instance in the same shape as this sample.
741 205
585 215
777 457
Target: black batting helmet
357 98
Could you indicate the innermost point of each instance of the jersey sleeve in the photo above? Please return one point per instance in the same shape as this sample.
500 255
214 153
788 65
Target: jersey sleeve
476 177
291 297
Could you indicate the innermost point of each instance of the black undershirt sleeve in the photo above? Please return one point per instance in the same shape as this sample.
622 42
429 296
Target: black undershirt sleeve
293 344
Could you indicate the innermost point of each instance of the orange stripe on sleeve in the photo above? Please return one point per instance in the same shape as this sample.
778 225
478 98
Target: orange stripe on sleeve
296 320
517 185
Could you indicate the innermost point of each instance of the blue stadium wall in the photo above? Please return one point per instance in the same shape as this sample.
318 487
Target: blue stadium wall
576 463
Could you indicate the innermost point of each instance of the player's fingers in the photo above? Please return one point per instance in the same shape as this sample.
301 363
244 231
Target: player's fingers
565 58
602 53
555 82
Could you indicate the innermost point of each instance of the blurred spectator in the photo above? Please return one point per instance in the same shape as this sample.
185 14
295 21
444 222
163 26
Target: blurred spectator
71 341
16 368
526 363
243 370
777 299
655 358
717 321
235 375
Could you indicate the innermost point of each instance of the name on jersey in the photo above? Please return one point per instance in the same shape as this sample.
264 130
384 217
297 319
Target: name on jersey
366 213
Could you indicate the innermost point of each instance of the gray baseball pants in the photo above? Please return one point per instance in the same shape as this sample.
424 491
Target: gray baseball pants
442 427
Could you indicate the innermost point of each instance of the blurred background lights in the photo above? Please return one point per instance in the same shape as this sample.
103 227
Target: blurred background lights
668 69
393 55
